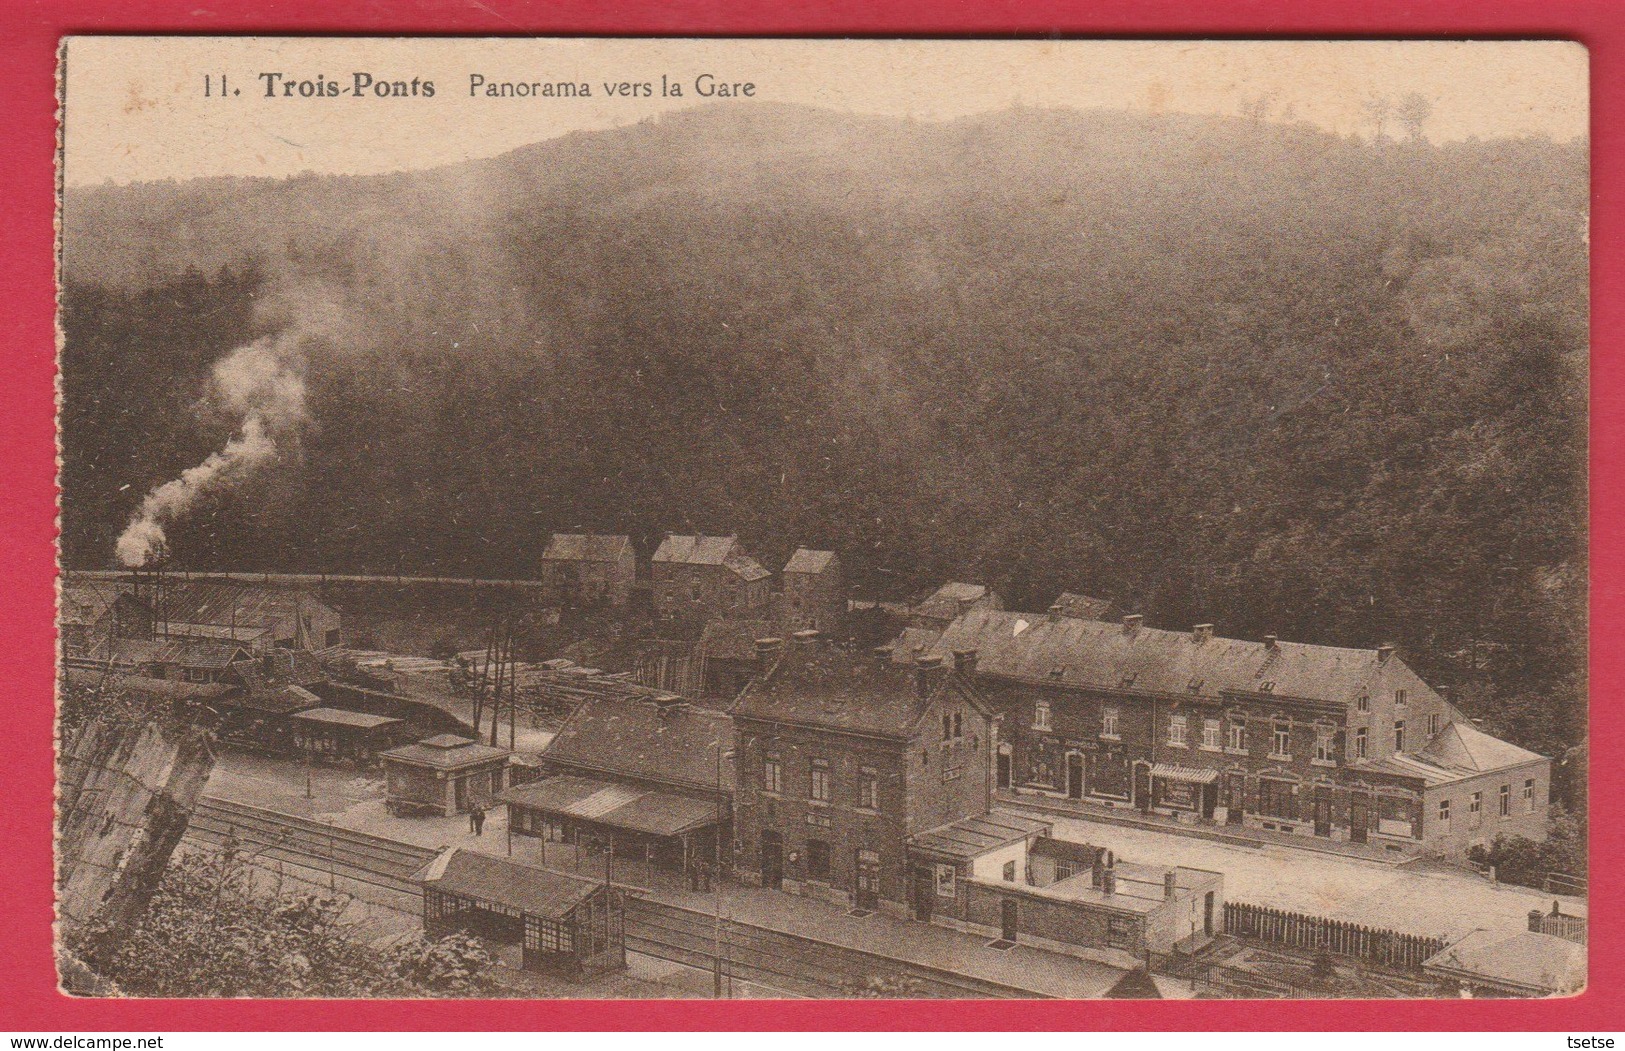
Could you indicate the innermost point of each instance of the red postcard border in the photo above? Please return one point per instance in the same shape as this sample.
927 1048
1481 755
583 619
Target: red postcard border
29 36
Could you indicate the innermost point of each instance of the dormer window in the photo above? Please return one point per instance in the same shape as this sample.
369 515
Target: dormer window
1058 673
1128 680
1267 686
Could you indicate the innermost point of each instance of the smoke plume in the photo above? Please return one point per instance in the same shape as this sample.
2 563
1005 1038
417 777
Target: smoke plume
259 384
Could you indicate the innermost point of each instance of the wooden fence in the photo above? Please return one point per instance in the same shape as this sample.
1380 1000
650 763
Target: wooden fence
1572 928
1384 947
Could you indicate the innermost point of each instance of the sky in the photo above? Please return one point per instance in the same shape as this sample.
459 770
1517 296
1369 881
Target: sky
147 108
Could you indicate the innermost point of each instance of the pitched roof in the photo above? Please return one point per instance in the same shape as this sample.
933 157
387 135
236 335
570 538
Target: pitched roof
491 880
283 701
446 752
949 600
172 689
695 550
912 642
1465 747
817 685
1527 961
733 640
85 603
806 560
638 737
585 547
1104 655
1085 607
616 805
185 652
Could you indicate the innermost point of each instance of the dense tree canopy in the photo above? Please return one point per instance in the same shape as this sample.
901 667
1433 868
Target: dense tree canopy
1215 369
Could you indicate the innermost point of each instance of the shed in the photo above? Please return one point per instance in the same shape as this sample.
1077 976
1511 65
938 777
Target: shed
444 774
337 734
565 924
667 829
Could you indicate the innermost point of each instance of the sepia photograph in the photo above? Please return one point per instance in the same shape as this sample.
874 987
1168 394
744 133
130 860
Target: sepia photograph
634 519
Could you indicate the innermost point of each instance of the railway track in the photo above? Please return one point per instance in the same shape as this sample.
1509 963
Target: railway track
384 868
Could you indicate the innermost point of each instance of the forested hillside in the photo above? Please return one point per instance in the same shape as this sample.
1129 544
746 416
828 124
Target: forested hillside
1214 369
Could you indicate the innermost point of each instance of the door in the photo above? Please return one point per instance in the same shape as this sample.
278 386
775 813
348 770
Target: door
1236 796
460 794
923 892
1074 775
1359 816
1142 786
1007 920
1004 766
1323 811
772 860
868 889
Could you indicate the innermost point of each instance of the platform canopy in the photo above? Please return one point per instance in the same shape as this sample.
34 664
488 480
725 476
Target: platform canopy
975 836
614 805
340 717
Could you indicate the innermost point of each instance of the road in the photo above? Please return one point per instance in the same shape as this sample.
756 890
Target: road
1416 901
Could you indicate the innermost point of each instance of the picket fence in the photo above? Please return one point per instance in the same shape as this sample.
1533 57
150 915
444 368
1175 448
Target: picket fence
1386 948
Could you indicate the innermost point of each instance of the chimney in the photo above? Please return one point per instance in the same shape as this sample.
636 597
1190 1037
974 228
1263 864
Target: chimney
927 667
965 662
1534 920
1384 652
1170 884
1131 623
1201 633
1108 877
1055 612
1270 642
807 637
767 651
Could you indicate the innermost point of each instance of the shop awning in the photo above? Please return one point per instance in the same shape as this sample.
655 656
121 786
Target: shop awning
1174 772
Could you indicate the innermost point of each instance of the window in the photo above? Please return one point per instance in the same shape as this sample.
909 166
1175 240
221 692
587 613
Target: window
1400 698
1210 734
1360 743
1281 743
947 727
1364 703
1475 809
1041 715
818 786
1529 795
1399 735
1444 814
694 588
1324 748
945 881
1120 933
1238 733
1506 800
772 775
1433 724
1009 872
958 727
1176 731
1108 722
1275 798
869 789
817 859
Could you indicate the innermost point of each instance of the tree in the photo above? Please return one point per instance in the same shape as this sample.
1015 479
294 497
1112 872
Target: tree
1413 112
1378 108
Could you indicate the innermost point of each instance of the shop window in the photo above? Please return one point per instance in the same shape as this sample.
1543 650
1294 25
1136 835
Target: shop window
1275 798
